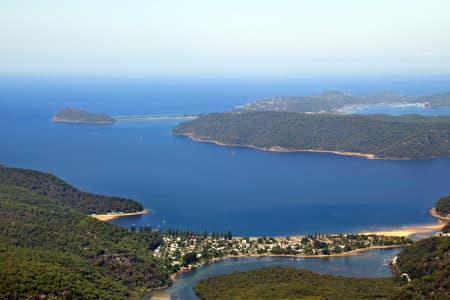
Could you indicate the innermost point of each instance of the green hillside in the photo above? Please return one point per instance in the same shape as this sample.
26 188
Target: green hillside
392 137
73 115
50 249
443 206
427 262
49 185
291 283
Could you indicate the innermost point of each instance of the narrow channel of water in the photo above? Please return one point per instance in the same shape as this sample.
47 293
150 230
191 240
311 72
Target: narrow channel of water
367 264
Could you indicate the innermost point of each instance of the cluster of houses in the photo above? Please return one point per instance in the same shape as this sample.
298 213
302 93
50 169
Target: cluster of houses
179 251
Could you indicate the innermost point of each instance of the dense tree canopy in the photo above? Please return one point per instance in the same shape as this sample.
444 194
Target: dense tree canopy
48 248
427 262
74 115
443 206
290 283
395 137
49 185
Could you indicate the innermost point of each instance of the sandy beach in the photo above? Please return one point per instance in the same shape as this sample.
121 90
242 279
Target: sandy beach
406 231
112 216
409 230
160 297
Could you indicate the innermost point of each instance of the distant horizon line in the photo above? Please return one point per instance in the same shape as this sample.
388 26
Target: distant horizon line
217 76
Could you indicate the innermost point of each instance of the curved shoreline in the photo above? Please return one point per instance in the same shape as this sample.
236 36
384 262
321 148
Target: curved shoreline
283 149
344 254
112 216
409 230
404 231
436 215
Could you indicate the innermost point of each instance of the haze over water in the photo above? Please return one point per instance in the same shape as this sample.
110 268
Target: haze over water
203 186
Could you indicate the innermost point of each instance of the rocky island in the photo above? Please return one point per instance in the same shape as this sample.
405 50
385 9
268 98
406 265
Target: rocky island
74 115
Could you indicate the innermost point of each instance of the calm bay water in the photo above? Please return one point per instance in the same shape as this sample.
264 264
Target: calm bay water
200 186
204 186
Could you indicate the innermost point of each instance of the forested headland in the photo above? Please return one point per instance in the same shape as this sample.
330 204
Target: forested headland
51 186
443 206
50 249
374 136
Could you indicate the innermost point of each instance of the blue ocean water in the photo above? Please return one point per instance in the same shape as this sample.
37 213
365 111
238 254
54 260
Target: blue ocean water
368 265
203 186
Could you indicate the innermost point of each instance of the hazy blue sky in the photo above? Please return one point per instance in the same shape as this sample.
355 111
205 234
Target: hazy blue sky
229 37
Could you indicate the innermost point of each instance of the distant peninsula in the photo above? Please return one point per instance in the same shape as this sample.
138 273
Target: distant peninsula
335 101
370 136
74 115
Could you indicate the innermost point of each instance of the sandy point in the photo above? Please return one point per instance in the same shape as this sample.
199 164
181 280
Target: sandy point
160 297
426 229
115 215
408 230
